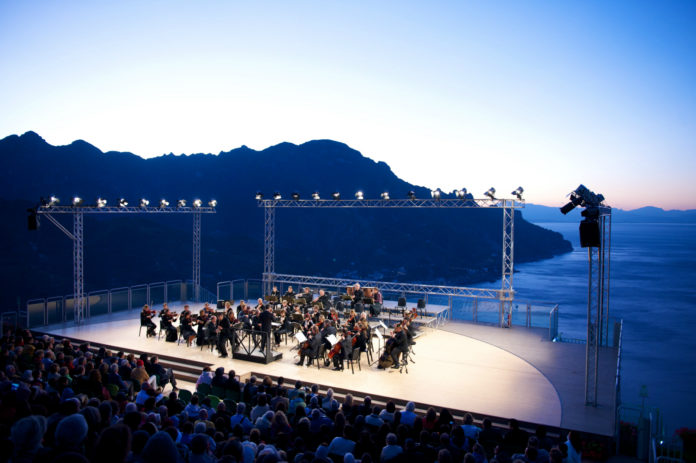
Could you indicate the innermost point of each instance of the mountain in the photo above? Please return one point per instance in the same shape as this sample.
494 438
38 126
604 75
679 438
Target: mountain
416 245
541 214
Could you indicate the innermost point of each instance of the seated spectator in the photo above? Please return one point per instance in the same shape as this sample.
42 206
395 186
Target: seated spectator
471 431
408 416
341 445
391 450
206 376
240 419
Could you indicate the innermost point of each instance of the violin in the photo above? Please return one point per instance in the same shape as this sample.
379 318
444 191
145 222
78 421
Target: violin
336 349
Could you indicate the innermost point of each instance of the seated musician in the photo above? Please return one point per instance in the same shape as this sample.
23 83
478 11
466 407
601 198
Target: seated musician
186 311
328 327
166 318
285 326
408 329
284 306
275 292
315 314
307 324
242 307
357 295
311 348
289 293
146 320
208 310
352 320
377 296
345 341
400 345
324 298
187 331
361 337
228 307
202 319
210 330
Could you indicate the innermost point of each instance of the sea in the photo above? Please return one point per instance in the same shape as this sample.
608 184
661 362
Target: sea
653 289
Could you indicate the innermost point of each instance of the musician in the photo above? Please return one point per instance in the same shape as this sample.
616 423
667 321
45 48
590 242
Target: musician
406 325
285 326
400 345
315 314
208 310
265 319
259 304
311 347
307 295
357 295
187 331
275 292
186 311
377 296
242 307
166 318
146 320
284 306
289 293
224 332
344 351
307 324
202 320
352 320
324 298
361 336
210 330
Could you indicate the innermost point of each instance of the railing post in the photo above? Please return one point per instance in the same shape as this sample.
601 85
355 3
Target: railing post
147 294
246 290
529 315
45 311
165 293
130 298
474 314
108 302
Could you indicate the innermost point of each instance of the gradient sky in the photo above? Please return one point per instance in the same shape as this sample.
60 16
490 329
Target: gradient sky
545 95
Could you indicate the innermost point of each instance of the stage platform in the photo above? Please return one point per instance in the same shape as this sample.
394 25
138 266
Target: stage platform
514 373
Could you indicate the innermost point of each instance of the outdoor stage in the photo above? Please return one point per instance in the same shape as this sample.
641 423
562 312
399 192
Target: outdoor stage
512 373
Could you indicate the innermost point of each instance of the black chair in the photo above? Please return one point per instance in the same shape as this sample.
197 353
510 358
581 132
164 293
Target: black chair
402 305
354 357
321 355
421 307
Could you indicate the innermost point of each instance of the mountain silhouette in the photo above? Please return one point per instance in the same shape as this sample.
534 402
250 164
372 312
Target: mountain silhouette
461 246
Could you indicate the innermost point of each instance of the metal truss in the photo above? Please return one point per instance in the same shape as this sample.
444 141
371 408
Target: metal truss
384 286
395 203
77 235
508 206
597 304
196 256
269 249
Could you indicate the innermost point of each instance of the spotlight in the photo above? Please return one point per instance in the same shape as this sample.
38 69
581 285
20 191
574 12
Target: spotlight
197 203
295 195
518 192
490 193
315 195
359 195
101 202
436 193
181 203
164 203
77 201
581 196
411 195
336 195
385 195
277 196
212 203
259 196
122 202
461 194
52 201
144 202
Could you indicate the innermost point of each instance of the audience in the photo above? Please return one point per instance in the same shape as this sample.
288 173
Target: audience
60 402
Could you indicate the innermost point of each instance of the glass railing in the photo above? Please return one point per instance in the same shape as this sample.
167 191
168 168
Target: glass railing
47 311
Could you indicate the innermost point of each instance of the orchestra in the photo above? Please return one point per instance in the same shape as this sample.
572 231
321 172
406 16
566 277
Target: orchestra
331 328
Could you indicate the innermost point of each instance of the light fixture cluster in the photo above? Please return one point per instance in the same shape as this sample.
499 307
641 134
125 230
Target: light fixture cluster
101 202
436 194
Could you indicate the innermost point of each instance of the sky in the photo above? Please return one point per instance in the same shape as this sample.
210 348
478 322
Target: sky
540 94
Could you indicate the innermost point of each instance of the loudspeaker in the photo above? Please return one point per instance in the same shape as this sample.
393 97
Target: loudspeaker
402 302
32 222
220 304
589 234
421 304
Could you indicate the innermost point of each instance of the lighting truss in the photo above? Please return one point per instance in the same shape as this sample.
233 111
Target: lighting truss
77 237
505 295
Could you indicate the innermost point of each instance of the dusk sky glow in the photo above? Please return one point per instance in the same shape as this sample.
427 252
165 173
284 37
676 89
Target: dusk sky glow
546 95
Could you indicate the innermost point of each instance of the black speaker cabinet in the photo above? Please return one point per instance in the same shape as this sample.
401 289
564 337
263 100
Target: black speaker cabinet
589 234
220 304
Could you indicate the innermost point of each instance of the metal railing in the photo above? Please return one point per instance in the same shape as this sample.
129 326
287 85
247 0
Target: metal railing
59 309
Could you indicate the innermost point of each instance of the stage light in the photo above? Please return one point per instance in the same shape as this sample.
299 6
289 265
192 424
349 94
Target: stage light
336 195
461 194
122 202
277 196
197 203
212 203
181 203
259 196
101 202
518 192
295 195
52 201
385 195
144 202
411 195
359 195
77 201
315 195
164 203
581 196
436 194
490 193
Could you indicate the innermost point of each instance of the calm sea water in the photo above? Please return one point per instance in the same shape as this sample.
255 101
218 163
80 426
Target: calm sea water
653 289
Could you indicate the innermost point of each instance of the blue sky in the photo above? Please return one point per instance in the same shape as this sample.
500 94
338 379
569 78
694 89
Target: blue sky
545 95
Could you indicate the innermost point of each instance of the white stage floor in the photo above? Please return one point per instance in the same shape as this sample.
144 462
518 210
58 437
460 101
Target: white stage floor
451 370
